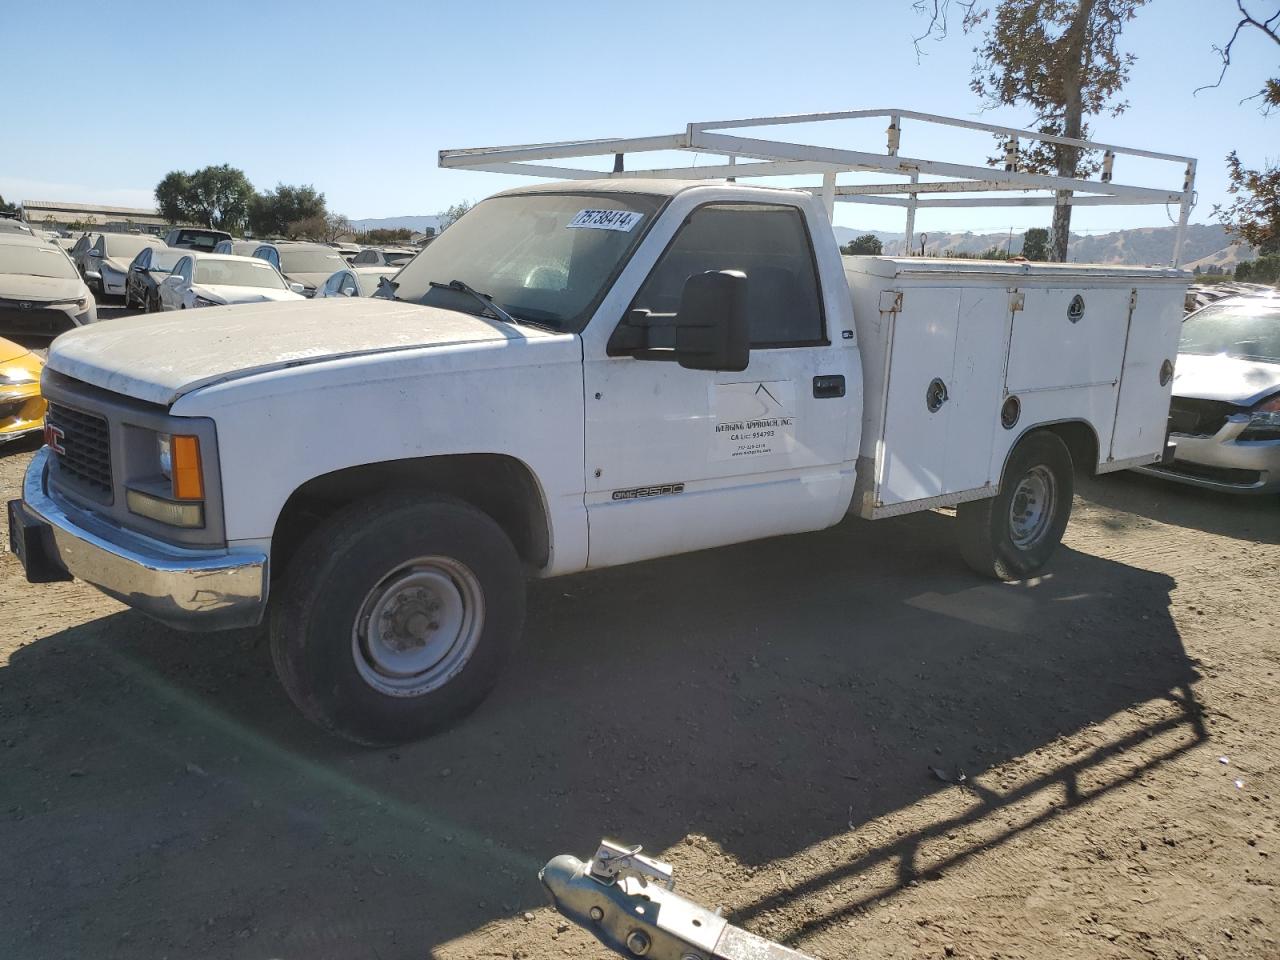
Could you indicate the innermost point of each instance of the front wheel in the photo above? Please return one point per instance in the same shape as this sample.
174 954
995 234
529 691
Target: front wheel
1012 535
396 616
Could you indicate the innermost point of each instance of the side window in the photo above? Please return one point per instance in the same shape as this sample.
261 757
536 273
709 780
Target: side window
184 270
366 256
331 285
770 244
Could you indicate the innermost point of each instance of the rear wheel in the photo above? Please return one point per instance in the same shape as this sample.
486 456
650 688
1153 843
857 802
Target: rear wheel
396 616
1012 535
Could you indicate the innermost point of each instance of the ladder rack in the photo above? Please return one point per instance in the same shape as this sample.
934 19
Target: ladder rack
952 184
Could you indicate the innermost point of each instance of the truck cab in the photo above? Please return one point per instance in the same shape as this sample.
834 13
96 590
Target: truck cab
574 375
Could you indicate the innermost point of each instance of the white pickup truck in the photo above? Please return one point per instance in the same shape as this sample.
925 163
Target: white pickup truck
575 375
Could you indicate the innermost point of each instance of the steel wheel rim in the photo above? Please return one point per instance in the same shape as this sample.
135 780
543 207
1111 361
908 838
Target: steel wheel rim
418 626
1031 507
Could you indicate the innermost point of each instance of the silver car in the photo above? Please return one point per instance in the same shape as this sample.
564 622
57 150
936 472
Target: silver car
1224 417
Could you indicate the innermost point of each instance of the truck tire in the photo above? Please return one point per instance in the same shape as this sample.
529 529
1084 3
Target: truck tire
1012 535
396 616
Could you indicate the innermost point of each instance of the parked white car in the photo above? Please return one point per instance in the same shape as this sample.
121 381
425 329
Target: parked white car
1224 416
41 291
106 262
239 248
355 282
215 280
309 264
383 257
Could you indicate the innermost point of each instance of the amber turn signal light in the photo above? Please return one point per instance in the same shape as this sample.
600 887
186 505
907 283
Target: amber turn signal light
188 477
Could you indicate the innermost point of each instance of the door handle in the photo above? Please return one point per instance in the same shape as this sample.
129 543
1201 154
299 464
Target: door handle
828 385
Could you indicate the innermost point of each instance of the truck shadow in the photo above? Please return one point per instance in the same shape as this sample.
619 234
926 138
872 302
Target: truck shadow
1255 518
768 696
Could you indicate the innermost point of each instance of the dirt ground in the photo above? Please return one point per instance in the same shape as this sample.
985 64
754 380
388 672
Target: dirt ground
764 716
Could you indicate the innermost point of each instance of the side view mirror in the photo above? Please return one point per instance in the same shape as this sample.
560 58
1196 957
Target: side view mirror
296 287
711 326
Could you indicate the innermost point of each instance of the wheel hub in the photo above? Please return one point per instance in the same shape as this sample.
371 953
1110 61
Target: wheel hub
1031 507
418 626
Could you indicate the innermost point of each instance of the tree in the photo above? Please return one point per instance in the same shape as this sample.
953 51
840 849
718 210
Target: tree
1062 59
1270 28
273 213
8 208
336 226
453 214
1254 215
866 245
1035 244
385 235
214 196
308 228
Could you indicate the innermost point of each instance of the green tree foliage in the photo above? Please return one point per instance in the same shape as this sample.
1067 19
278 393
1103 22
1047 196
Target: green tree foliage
273 213
453 214
866 245
383 236
215 196
11 208
1262 270
1061 58
1035 244
1254 215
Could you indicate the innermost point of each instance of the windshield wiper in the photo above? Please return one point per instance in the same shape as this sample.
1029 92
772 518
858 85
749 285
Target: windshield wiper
489 303
483 299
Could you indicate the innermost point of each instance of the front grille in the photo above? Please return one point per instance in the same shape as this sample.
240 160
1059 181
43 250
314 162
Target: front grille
86 443
34 319
1199 418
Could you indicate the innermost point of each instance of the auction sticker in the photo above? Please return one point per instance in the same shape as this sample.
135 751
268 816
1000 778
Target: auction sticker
623 220
753 419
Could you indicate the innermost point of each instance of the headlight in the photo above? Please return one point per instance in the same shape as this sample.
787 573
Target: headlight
179 456
24 371
164 450
206 302
1264 421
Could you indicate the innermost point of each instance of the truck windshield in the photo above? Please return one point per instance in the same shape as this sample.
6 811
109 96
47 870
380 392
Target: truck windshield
545 257
1247 331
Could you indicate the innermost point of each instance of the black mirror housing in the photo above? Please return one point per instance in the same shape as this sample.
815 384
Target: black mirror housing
711 328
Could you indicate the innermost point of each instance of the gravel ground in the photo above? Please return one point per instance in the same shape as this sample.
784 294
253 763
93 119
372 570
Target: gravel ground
764 716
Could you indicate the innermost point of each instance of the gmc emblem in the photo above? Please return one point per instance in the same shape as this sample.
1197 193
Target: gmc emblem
53 437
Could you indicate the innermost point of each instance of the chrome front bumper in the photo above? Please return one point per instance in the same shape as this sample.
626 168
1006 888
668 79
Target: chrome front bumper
189 589
1223 461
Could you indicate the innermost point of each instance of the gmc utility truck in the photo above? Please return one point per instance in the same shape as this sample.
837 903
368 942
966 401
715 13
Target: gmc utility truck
574 375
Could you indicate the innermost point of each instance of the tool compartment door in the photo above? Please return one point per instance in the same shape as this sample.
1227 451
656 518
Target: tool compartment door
913 449
1067 337
1142 411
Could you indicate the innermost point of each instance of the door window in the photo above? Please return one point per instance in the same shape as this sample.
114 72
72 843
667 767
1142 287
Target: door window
770 244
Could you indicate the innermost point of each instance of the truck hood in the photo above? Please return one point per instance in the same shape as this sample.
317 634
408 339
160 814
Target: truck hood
161 357
17 286
1242 382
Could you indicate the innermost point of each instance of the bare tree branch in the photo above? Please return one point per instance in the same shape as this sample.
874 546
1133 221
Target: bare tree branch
1268 28
939 14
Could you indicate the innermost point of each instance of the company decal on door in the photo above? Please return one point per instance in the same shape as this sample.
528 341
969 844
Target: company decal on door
753 419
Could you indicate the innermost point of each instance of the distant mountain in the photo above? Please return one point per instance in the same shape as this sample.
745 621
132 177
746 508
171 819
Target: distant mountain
416 224
1142 246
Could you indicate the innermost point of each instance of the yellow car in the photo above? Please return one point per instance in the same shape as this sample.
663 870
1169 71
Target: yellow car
21 405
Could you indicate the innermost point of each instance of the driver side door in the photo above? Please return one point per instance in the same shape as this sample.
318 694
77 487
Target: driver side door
681 459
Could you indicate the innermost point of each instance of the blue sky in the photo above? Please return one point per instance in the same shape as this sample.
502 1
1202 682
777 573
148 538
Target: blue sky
357 98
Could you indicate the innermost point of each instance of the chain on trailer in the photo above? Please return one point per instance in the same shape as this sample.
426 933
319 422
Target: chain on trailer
628 902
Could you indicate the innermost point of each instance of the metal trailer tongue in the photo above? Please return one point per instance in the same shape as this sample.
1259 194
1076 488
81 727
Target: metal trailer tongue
628 902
